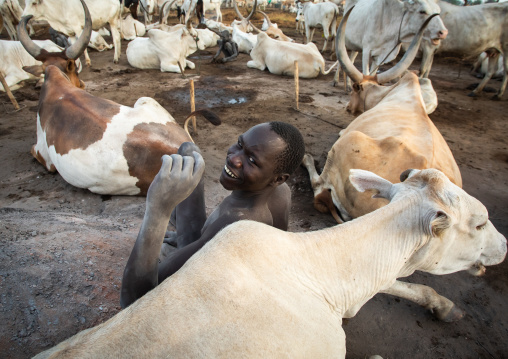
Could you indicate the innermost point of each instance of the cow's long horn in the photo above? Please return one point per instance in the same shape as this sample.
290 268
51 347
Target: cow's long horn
266 17
253 11
76 49
30 46
237 11
408 57
341 52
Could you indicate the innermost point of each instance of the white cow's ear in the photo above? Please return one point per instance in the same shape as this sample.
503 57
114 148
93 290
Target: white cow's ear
438 222
365 180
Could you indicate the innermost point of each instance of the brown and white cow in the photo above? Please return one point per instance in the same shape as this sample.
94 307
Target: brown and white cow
394 133
92 142
255 291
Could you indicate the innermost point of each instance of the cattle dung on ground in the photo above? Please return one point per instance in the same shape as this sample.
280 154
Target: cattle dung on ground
63 249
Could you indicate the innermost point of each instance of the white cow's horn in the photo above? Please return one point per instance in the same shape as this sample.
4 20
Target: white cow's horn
341 52
76 49
408 57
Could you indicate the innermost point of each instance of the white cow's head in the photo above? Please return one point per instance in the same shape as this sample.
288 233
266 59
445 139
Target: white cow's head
455 227
193 39
368 90
244 24
415 14
37 8
273 31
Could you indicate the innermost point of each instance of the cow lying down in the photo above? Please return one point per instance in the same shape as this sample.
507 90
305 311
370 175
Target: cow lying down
256 291
279 57
164 50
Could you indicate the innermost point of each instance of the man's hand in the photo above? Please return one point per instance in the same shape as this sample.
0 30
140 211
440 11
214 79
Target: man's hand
176 180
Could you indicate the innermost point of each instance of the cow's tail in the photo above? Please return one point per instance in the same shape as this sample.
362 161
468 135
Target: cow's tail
209 115
330 69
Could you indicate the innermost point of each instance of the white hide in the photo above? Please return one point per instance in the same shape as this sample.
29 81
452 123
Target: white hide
68 18
245 41
254 291
102 167
13 57
98 43
322 15
218 26
163 50
279 57
131 28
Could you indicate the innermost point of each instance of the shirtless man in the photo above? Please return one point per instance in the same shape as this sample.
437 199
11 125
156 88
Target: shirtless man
256 170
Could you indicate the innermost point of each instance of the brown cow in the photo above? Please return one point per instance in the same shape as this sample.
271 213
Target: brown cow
92 142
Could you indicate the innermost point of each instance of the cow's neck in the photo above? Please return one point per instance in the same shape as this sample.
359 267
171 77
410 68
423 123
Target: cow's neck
405 94
350 263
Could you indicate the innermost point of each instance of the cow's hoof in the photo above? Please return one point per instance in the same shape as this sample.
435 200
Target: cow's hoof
496 98
452 315
472 94
89 63
115 61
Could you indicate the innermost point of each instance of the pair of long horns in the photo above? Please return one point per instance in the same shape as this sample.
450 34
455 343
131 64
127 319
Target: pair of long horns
72 52
253 11
396 71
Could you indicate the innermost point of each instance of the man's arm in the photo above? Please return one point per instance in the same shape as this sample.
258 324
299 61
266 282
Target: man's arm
177 178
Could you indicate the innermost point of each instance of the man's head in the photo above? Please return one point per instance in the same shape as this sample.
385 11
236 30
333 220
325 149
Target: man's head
263 157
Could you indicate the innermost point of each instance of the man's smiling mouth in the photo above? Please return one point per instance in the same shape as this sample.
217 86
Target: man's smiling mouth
230 174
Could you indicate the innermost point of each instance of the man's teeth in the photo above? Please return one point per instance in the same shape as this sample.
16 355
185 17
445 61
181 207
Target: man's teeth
229 172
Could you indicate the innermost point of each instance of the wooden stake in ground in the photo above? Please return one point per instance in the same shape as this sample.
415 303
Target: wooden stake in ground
193 105
297 85
8 91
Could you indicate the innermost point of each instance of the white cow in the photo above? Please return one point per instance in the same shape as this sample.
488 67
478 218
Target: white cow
209 38
131 28
67 18
218 26
11 12
245 41
322 15
163 50
473 30
13 57
98 43
256 291
377 28
279 57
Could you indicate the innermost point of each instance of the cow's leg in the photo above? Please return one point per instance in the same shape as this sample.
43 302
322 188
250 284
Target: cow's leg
325 34
505 78
117 40
443 308
491 70
366 61
253 64
171 67
308 162
352 57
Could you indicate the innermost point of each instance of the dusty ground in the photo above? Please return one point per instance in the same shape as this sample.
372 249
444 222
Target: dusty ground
63 249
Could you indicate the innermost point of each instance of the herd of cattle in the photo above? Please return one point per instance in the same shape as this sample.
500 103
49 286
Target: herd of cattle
425 220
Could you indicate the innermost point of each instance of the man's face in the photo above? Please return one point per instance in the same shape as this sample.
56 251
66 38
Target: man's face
250 163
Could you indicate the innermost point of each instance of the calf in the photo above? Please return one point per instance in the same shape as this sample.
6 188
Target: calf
279 57
163 50
92 142
257 291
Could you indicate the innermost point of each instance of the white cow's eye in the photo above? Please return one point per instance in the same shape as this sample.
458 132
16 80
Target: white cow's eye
481 226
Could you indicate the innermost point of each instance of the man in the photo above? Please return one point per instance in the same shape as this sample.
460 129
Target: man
256 170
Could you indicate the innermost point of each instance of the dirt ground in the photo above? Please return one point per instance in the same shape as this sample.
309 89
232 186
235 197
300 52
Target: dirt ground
63 249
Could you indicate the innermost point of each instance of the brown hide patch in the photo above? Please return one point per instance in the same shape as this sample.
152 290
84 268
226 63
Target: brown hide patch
145 146
41 160
71 117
